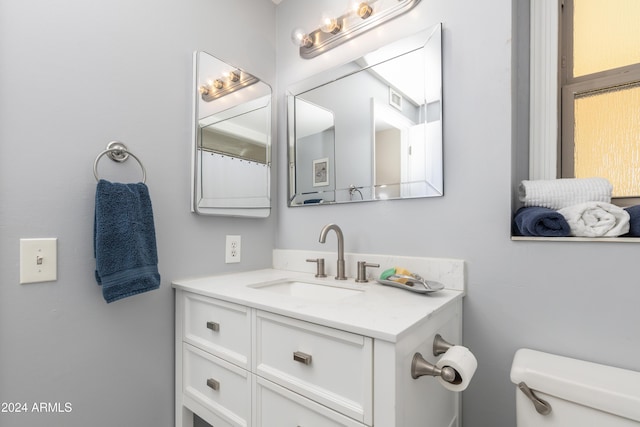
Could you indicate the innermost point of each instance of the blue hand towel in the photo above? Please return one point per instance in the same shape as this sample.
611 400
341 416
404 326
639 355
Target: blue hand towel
541 222
124 240
634 221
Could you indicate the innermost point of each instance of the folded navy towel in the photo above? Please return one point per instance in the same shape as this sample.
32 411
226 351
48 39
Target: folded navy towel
634 221
542 222
124 240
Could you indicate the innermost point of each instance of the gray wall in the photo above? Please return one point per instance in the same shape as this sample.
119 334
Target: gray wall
353 132
575 299
75 75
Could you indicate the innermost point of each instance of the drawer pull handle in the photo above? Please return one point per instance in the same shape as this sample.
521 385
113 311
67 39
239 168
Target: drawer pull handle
301 357
213 326
213 384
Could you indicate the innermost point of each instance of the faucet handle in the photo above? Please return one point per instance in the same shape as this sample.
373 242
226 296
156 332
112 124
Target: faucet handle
362 271
320 267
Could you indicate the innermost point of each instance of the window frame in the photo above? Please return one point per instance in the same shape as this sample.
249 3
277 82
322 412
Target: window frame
544 100
570 86
551 131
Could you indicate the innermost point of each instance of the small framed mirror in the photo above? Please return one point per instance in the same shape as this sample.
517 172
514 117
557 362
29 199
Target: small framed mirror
370 129
231 162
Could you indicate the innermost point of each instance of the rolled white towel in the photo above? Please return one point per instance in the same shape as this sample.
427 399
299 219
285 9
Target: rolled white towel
561 193
596 219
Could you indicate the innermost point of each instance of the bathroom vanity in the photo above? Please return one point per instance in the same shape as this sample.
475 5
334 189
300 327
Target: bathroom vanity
280 348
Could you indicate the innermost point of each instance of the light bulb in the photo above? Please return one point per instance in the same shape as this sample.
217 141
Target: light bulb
360 8
363 10
298 36
330 25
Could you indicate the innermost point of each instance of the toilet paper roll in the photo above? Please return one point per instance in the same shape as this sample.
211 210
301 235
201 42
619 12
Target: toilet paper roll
465 364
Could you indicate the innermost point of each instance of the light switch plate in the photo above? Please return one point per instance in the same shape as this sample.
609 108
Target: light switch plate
38 260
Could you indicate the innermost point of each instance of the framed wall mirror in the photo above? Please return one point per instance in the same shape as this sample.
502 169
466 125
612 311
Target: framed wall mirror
370 129
231 162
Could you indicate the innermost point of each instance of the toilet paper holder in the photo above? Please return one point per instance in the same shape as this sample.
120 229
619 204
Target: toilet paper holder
421 367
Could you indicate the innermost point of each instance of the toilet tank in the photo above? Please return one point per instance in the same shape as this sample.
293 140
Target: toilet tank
580 393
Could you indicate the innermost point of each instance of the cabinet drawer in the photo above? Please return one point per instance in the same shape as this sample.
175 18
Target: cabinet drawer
223 329
222 388
332 367
277 406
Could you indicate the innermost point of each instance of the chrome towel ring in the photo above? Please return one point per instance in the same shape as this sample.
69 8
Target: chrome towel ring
118 152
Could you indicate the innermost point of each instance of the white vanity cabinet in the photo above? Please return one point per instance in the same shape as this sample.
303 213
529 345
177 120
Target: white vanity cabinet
213 359
259 364
278 406
329 366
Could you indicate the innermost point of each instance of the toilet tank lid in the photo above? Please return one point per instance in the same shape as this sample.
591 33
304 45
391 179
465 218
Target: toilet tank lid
602 387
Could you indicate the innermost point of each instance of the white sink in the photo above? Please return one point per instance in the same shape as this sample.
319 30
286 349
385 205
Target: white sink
316 291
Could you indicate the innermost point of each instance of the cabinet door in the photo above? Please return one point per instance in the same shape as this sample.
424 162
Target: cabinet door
327 365
220 328
279 407
220 387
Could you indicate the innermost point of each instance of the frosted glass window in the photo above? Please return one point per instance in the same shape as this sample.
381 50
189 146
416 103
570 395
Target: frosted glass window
606 35
607 137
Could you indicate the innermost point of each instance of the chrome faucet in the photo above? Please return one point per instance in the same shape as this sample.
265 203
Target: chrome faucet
323 236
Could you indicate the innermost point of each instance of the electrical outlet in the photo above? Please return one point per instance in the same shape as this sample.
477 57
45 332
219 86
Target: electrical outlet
232 251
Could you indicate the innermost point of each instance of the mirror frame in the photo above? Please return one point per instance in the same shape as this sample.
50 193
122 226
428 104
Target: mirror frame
435 183
234 205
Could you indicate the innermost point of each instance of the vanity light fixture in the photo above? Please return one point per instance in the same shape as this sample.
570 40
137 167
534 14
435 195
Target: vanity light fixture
361 17
230 82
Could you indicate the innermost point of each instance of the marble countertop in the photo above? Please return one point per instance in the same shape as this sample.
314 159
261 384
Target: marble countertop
378 311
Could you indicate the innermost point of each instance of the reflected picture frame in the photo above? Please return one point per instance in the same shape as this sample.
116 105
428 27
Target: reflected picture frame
321 172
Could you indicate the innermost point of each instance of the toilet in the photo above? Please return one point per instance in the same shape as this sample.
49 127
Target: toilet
556 391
